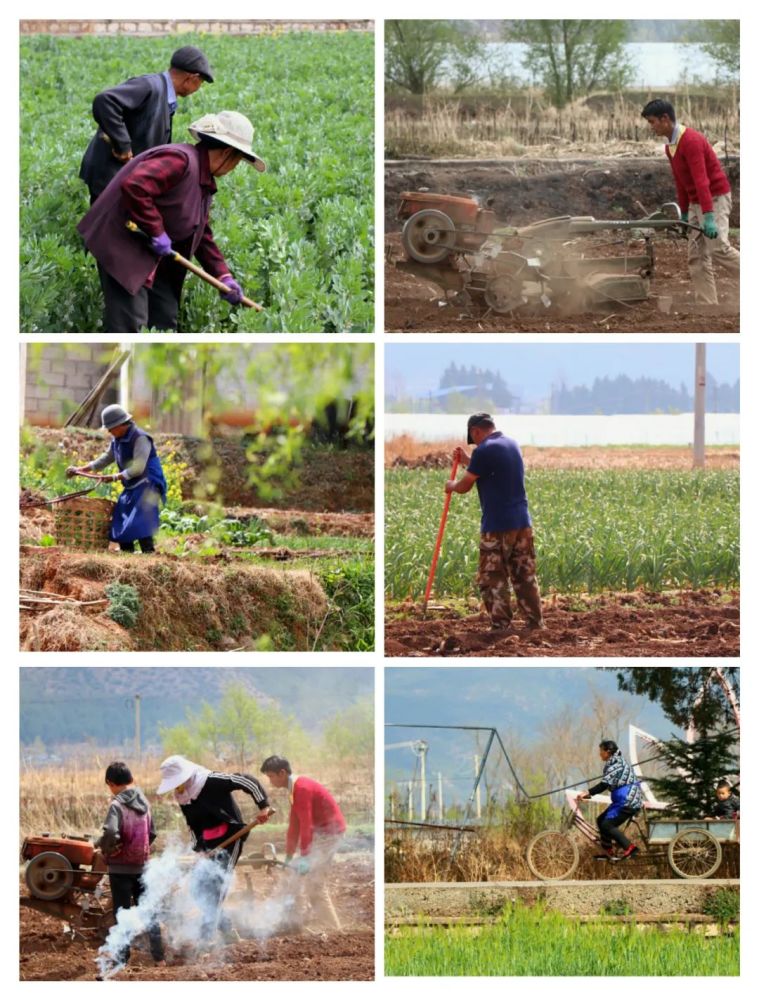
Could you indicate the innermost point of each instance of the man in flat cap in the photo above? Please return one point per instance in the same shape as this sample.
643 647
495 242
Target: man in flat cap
166 193
507 551
136 115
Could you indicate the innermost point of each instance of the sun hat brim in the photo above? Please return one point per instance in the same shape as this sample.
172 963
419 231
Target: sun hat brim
248 153
168 784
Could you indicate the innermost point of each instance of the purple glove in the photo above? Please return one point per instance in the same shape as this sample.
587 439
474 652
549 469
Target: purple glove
161 245
234 295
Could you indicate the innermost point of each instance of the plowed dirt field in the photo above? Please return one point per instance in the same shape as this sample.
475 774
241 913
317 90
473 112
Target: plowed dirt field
683 623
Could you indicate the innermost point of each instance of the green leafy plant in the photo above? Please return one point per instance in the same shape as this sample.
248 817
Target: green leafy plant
123 603
616 908
724 905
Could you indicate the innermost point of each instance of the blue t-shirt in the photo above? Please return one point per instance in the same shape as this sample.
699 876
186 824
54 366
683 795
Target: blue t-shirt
497 462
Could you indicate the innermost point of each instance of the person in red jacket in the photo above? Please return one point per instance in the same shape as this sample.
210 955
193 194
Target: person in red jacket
703 193
316 828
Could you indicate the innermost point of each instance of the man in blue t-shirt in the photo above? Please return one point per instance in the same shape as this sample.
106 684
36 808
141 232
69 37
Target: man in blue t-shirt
507 551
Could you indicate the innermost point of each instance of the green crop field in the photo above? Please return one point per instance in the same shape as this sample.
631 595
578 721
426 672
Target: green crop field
594 531
537 942
299 238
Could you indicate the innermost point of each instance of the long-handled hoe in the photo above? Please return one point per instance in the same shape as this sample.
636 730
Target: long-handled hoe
438 542
200 273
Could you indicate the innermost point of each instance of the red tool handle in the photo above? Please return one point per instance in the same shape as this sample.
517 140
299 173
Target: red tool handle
439 541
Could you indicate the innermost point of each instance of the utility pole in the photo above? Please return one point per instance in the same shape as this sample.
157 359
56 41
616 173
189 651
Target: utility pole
699 409
410 800
478 798
137 739
440 796
423 771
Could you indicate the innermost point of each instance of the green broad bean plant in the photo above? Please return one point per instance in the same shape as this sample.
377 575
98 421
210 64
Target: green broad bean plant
299 238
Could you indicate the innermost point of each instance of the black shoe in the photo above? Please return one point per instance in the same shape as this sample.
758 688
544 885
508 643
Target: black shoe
606 856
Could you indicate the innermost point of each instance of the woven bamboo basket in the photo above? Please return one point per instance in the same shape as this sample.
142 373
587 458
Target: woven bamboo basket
83 523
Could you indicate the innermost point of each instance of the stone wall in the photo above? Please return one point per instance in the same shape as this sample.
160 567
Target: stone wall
139 27
57 380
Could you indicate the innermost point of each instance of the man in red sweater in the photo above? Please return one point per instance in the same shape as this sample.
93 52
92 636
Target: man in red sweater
703 193
316 828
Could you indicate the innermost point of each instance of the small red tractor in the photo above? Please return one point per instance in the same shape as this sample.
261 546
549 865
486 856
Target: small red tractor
65 878
455 243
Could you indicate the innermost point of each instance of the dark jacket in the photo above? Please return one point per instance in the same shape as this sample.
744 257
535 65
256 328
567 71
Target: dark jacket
135 115
728 808
128 832
215 808
185 208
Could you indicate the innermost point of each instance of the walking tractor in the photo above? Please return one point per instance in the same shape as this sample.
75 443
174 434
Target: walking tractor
456 244
65 878
693 848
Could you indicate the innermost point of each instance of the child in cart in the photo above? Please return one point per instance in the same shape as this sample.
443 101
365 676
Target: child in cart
728 803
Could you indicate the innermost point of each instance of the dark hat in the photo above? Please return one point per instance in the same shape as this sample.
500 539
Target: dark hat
474 421
192 60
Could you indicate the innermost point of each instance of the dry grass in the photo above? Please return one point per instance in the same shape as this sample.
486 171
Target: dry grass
73 799
498 854
183 605
525 125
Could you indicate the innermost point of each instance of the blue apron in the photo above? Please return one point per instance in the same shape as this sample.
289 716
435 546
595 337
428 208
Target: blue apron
619 797
137 508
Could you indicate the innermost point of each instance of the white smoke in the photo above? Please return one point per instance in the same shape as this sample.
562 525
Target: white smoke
180 896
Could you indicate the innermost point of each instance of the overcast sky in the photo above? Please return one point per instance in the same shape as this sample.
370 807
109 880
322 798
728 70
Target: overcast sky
530 370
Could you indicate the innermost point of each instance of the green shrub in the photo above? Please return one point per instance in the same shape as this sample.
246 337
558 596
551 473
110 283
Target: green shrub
123 603
724 905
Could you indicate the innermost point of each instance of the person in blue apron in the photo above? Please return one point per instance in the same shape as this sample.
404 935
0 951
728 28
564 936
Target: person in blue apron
136 515
626 801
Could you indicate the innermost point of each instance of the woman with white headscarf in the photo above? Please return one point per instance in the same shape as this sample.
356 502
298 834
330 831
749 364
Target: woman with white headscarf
213 816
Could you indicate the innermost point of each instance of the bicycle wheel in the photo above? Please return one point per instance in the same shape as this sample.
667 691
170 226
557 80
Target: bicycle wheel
552 856
694 854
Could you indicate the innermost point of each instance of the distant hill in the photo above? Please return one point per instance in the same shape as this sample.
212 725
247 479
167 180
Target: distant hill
96 704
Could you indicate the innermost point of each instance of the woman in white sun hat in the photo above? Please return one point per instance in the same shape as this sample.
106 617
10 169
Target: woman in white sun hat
166 192
211 813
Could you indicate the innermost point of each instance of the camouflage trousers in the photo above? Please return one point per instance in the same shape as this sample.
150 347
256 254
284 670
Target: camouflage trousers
508 557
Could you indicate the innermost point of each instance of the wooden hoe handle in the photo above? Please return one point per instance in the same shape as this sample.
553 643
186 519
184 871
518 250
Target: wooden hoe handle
240 833
439 540
198 271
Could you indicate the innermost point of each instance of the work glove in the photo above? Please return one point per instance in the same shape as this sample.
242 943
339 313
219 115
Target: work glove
161 245
303 867
234 295
123 157
709 227
73 470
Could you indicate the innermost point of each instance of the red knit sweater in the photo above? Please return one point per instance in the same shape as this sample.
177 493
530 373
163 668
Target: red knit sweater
314 810
699 176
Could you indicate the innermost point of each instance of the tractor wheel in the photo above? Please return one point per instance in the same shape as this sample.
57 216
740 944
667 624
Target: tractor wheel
428 236
694 853
552 856
49 875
